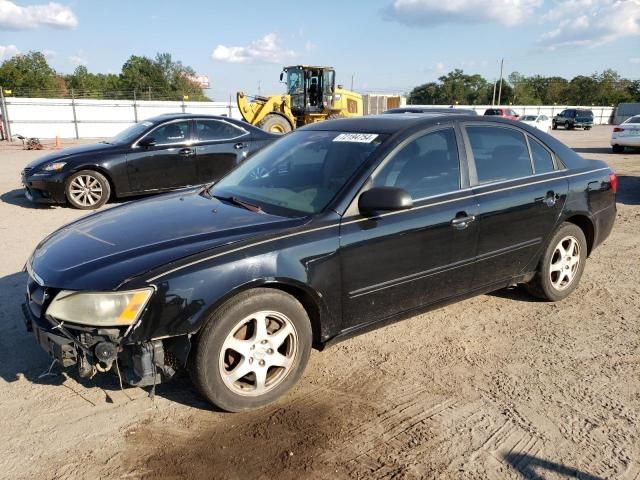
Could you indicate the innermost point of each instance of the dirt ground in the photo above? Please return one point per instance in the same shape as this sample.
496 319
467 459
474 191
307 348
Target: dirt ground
499 386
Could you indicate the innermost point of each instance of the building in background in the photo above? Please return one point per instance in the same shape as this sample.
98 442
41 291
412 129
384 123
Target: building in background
375 103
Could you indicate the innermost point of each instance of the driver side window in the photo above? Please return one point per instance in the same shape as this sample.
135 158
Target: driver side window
426 166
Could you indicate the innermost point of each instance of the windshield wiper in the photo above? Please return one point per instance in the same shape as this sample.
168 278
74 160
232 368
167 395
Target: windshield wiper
237 201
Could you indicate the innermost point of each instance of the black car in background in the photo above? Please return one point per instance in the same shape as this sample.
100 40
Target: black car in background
336 228
573 118
162 153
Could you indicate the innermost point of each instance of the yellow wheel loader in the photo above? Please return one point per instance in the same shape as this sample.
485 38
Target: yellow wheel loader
312 96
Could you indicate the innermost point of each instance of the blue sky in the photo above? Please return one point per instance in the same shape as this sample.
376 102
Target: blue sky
387 45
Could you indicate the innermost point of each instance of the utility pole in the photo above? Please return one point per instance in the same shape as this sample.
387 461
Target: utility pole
493 99
259 85
352 82
500 89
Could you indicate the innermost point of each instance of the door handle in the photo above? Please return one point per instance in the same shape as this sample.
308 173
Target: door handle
462 221
240 146
185 152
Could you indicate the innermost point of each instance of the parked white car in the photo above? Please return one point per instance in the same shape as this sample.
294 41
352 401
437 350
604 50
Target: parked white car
627 134
541 122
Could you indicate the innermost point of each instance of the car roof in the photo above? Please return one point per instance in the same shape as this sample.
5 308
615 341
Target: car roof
385 123
418 109
177 115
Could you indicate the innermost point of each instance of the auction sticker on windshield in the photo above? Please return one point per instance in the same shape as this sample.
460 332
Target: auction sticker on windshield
356 137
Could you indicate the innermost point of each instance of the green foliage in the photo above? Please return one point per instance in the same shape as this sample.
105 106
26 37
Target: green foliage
30 72
161 78
606 88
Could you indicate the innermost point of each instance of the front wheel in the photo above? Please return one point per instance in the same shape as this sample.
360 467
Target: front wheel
252 350
562 264
87 190
554 126
274 123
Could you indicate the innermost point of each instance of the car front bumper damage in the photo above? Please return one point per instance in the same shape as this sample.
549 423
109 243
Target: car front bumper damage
98 350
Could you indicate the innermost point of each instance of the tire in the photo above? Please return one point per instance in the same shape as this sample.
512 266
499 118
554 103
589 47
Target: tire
587 128
617 148
219 345
274 123
554 126
567 126
87 190
557 277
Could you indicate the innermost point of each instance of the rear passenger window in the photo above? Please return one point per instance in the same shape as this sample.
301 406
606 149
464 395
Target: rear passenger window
426 166
499 153
542 159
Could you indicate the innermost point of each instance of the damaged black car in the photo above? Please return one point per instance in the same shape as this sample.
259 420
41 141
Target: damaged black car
333 230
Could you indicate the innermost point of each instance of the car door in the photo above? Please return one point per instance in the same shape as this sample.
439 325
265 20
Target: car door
163 158
403 260
520 193
221 145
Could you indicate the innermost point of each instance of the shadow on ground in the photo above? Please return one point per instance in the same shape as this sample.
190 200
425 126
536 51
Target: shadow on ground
22 358
16 197
536 468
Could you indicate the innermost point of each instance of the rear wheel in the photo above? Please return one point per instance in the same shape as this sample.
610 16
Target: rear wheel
87 190
274 123
562 264
617 148
567 126
554 125
252 350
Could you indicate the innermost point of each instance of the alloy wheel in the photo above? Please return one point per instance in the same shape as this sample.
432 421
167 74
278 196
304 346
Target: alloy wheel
86 190
258 353
564 262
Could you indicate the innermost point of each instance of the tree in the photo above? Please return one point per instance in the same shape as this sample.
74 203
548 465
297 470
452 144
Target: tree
427 94
142 74
524 92
30 75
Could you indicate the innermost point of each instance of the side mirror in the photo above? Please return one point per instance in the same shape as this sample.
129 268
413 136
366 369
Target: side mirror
281 75
147 142
384 199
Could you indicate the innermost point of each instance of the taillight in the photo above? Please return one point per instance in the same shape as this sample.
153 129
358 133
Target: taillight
613 180
618 129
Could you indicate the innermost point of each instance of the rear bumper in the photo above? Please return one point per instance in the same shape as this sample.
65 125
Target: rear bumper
630 141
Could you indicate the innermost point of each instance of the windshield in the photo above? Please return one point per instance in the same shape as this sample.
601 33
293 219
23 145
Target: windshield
130 134
300 173
529 118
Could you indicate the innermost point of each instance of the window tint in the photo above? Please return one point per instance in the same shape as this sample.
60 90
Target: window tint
499 153
176 132
542 159
426 166
210 130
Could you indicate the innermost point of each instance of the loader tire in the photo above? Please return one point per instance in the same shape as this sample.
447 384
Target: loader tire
277 124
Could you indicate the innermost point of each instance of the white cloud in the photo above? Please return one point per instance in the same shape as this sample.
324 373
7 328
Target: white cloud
426 13
8 51
78 59
635 60
49 54
16 17
589 23
266 49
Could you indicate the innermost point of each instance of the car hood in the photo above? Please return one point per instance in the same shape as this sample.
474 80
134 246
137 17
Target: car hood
71 151
100 251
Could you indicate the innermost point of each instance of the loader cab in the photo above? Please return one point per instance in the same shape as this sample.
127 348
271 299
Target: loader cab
310 88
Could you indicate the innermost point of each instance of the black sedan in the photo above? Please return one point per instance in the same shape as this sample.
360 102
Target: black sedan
162 153
335 229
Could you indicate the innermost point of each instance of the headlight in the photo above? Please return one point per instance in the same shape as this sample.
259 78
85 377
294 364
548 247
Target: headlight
101 309
54 167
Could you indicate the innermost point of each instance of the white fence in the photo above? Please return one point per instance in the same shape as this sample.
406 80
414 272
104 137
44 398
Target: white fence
81 118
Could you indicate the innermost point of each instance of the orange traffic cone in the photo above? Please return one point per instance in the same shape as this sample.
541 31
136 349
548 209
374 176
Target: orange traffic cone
57 145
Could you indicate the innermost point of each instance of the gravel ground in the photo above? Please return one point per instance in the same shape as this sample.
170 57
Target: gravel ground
499 386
